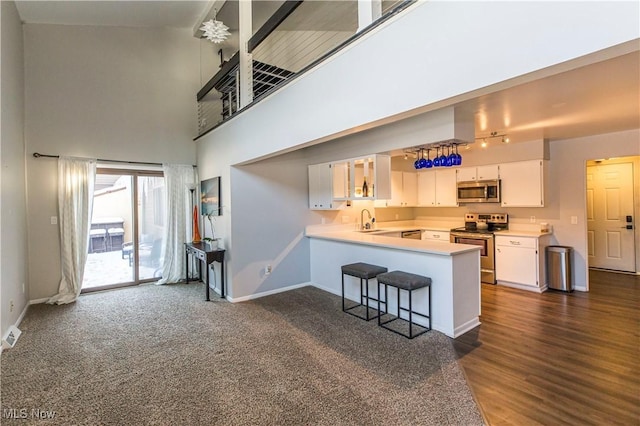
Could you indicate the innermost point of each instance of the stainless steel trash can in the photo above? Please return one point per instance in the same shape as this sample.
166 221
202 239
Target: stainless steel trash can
558 259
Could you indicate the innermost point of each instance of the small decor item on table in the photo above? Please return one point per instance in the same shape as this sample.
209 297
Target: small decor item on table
196 226
212 241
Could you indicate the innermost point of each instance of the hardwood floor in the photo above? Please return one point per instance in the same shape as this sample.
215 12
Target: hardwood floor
557 358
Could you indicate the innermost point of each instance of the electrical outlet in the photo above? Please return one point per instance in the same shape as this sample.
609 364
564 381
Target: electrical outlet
574 220
397 216
24 290
10 305
267 269
54 220
532 219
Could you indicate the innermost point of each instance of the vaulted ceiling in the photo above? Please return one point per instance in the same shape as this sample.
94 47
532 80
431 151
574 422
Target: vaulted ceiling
598 98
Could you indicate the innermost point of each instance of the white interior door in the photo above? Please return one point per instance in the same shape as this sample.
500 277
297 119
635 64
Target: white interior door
609 205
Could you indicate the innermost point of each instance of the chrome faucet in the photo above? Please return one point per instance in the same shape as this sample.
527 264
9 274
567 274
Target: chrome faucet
362 224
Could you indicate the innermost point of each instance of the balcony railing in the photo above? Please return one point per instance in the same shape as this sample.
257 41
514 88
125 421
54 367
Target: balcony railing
298 36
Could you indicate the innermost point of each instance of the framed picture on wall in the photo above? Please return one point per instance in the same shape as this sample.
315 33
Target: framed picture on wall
210 197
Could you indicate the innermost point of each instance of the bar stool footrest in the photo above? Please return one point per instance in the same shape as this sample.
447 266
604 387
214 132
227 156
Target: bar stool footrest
367 314
410 333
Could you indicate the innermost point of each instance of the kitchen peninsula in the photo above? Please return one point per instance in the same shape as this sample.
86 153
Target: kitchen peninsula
453 268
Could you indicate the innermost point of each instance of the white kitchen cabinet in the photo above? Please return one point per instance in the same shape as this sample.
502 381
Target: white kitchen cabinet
441 236
489 172
341 180
321 188
520 261
376 170
437 188
465 174
344 180
404 190
522 184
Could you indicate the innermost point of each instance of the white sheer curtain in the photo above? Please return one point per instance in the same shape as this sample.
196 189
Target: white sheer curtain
76 179
177 179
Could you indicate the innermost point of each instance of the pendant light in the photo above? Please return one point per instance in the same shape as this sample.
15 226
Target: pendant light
215 31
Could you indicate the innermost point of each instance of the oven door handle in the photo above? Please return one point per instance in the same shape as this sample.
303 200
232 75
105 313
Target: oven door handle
486 192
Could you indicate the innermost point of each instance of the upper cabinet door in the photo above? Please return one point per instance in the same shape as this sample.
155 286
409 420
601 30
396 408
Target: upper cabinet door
466 174
427 188
396 189
341 180
437 188
320 187
489 172
404 190
446 188
409 188
522 184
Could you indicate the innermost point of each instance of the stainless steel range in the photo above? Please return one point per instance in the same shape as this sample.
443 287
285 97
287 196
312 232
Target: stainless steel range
479 230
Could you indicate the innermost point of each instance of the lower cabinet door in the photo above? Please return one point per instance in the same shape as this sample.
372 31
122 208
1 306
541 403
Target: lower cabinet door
517 265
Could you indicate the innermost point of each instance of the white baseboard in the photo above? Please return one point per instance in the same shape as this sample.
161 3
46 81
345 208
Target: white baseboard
38 301
22 314
469 325
266 293
327 289
520 286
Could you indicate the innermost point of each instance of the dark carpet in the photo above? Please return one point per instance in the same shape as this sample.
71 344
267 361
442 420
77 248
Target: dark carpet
161 355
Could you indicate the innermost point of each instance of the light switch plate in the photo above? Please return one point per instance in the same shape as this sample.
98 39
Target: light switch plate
574 220
54 220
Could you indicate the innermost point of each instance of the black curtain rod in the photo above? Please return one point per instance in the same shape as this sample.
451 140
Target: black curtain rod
38 155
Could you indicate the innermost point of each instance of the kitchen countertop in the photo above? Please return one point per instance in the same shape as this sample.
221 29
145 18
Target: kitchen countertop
371 238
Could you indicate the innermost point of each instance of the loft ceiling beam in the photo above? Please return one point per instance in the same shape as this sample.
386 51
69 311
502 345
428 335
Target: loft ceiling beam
272 23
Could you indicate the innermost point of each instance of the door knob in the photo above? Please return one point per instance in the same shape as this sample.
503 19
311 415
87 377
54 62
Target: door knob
627 227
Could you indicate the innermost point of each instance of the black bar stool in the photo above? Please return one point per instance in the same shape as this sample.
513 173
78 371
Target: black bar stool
408 282
364 271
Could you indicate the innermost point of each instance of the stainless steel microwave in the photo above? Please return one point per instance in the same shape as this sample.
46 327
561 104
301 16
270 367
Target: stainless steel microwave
483 191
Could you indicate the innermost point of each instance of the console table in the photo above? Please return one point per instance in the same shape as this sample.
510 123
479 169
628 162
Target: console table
204 253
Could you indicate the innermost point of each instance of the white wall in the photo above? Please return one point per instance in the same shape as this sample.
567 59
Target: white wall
271 210
13 208
105 92
568 177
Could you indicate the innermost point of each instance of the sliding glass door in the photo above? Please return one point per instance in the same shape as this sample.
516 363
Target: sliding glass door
127 227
